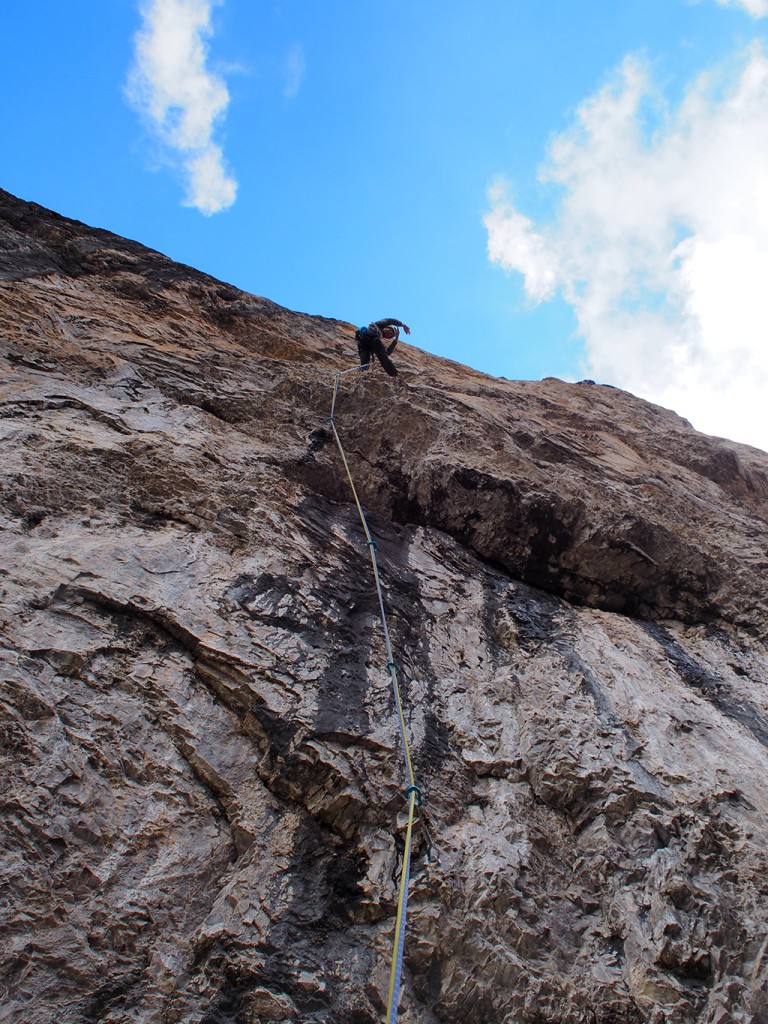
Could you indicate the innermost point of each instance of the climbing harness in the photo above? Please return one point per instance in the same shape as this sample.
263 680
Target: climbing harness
412 792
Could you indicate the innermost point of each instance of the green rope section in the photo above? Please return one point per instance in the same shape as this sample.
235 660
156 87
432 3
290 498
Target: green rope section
413 793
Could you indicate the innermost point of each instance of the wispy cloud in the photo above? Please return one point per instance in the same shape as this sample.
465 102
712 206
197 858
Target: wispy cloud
181 98
660 241
757 8
294 70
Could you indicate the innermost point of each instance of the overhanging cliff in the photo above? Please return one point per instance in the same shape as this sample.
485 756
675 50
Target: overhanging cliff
202 767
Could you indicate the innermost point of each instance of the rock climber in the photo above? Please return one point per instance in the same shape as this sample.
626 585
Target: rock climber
371 340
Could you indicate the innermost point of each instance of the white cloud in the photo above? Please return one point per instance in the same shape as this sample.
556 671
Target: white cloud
513 242
660 241
295 68
757 8
181 97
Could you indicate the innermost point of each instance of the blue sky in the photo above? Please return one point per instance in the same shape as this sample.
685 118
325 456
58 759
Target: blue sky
538 187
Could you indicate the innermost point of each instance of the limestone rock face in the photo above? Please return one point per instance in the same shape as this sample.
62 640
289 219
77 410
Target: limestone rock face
203 802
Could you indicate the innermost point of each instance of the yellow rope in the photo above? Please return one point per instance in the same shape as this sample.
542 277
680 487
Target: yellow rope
412 791
402 909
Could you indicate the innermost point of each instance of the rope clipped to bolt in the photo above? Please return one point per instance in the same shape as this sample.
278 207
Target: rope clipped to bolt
412 792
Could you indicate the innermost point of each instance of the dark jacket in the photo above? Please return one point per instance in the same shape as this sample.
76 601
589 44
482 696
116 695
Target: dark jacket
369 342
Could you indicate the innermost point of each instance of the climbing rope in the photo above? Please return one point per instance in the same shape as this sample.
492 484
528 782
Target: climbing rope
412 792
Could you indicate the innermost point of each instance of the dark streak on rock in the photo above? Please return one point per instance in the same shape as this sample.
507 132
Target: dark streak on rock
712 688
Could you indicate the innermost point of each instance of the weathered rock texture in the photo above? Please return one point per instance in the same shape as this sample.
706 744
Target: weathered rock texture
202 779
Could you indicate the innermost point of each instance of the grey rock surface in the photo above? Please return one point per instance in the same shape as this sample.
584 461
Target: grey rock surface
203 804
